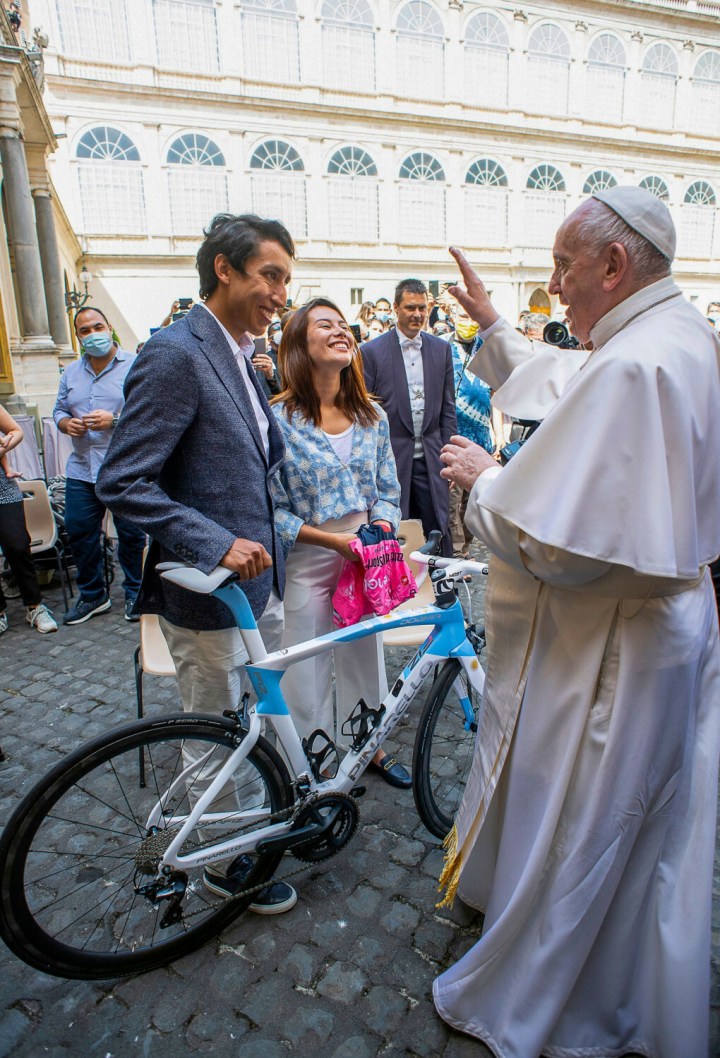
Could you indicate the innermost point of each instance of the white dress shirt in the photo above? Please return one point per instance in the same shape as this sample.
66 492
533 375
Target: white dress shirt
412 357
243 351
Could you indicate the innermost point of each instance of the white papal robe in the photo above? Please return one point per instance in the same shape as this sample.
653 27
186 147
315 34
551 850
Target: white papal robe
588 825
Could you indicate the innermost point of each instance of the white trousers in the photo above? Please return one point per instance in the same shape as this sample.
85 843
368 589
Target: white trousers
312 575
209 667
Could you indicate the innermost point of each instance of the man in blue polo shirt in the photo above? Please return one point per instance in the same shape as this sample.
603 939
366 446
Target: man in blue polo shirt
89 403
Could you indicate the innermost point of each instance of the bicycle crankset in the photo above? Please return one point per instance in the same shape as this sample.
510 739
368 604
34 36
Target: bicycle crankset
336 817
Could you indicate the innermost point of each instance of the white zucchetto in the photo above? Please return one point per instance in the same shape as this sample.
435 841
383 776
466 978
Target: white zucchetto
645 213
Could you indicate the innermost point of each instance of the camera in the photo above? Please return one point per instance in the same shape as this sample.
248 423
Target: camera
184 306
558 334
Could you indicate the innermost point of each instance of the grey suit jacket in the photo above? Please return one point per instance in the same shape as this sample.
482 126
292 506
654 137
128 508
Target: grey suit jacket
385 376
187 464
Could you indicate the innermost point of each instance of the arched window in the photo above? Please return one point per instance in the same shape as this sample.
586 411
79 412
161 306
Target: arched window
271 50
348 45
486 173
548 69
600 180
422 201
657 185
487 52
486 204
352 161
546 178
697 227
659 79
605 78
544 205
107 144
420 51
421 166
705 93
353 196
186 35
111 183
196 182
700 194
277 155
88 28
278 185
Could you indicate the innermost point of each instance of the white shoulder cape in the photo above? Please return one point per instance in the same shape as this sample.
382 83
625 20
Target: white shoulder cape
625 467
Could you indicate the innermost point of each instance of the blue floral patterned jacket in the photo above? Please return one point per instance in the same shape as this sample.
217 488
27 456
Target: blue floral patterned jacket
313 486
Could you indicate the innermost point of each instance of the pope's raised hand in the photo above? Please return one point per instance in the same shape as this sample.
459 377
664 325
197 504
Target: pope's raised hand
472 295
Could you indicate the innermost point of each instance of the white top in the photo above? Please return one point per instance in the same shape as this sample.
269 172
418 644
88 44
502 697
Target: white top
412 357
342 443
243 352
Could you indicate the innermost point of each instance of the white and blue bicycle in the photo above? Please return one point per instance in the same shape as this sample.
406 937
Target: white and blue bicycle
102 863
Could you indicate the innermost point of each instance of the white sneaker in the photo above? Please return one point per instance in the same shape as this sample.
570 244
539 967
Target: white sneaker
39 617
4 623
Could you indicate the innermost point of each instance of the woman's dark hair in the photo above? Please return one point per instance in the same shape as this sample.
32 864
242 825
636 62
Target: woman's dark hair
296 371
239 239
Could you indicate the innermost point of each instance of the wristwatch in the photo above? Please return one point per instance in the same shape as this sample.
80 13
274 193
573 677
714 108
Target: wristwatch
115 420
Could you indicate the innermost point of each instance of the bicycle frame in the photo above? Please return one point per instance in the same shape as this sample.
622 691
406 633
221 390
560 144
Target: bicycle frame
447 639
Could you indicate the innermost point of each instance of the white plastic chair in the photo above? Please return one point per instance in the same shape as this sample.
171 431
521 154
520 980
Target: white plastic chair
42 528
26 457
411 537
152 657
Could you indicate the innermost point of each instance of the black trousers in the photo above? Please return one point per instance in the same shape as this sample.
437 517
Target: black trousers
15 544
422 506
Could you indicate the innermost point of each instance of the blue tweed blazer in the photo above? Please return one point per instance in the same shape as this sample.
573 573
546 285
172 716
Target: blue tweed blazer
186 464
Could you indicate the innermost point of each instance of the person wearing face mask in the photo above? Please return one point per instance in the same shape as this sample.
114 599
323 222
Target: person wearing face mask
88 406
474 419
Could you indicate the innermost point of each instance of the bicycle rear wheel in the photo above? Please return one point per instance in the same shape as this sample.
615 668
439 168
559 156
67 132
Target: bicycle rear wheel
77 849
444 746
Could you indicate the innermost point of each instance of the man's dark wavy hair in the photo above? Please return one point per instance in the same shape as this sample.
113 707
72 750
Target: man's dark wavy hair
239 238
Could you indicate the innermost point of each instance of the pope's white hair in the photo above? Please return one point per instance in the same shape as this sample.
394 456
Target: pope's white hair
598 226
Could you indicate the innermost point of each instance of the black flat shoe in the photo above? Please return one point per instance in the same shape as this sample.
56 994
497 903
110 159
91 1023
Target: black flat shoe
391 772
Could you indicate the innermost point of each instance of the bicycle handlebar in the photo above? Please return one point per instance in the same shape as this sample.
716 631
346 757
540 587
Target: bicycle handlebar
454 566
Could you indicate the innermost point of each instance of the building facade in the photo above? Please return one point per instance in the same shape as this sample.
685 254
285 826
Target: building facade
379 131
37 244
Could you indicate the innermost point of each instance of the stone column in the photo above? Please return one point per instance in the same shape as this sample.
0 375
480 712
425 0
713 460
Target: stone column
23 235
50 261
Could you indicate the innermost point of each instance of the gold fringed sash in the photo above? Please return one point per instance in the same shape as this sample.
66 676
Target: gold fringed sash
450 876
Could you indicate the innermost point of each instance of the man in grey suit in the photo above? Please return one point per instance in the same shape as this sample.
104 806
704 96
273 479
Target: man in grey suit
190 462
411 373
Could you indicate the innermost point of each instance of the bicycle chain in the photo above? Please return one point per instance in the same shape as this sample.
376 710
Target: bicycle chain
295 810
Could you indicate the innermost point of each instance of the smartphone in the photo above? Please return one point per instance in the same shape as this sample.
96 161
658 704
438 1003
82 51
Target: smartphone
355 328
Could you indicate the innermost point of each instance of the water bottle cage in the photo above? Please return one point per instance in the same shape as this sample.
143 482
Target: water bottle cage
361 723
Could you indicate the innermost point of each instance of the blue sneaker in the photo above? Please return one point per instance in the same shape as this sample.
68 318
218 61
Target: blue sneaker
84 609
129 604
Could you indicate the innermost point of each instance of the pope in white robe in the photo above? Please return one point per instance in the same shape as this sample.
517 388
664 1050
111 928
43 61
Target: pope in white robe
587 830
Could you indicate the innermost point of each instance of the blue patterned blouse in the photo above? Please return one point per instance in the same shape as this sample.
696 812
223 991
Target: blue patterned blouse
313 486
472 400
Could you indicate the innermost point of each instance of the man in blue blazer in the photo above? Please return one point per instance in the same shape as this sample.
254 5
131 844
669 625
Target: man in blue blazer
411 373
190 463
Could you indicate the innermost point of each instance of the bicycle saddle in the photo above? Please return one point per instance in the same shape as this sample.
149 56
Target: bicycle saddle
191 578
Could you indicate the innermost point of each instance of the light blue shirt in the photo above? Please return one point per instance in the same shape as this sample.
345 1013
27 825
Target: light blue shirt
313 485
81 392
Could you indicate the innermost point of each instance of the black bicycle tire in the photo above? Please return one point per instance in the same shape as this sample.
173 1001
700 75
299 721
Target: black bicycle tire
18 928
434 818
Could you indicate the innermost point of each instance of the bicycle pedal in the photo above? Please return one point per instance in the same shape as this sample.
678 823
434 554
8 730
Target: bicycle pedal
358 791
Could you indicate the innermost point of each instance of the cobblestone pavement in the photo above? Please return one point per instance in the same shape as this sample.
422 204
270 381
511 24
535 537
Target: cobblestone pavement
347 973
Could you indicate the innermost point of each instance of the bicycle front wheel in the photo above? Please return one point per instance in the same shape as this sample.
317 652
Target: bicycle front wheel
444 747
79 896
